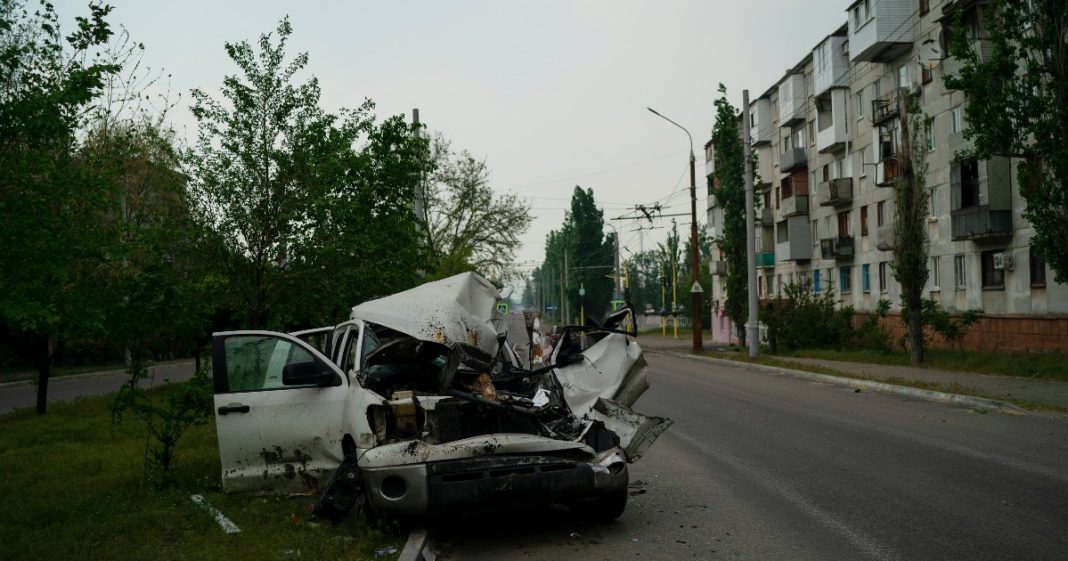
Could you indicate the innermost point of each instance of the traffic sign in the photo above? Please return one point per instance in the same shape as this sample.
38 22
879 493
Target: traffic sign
697 287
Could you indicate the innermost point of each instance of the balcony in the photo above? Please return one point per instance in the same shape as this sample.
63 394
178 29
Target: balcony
840 248
792 100
717 268
766 217
884 237
794 239
831 122
765 260
792 158
762 130
951 65
794 206
836 191
980 222
834 72
888 172
882 33
887 108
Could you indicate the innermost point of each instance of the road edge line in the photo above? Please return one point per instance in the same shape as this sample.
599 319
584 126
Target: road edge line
907 391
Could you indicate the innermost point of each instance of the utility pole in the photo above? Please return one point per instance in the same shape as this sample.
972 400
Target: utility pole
567 281
675 297
619 279
560 308
663 304
419 204
582 304
752 326
695 256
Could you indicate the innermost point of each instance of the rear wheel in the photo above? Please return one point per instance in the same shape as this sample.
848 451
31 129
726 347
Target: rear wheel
600 508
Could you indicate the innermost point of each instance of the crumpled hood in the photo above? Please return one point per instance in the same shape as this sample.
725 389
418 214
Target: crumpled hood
458 310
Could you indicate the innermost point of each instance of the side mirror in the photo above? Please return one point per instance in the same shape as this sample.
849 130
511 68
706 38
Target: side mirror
307 374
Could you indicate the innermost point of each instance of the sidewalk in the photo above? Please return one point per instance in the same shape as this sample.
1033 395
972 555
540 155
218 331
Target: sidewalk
1008 388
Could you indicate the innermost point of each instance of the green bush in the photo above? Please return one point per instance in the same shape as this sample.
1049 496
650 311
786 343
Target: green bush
951 329
804 320
166 417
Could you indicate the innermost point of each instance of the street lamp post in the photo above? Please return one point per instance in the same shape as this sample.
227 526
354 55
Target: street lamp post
695 260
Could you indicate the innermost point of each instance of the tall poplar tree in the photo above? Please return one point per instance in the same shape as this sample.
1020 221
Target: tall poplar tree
730 196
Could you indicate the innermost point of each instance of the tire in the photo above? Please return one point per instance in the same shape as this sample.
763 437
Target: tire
599 509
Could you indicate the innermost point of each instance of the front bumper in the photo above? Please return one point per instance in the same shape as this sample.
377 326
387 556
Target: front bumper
490 483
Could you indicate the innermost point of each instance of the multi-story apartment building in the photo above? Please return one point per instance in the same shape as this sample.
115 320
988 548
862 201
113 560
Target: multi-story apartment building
827 139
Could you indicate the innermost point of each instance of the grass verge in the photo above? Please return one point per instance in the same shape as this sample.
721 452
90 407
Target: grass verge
1027 365
73 489
895 380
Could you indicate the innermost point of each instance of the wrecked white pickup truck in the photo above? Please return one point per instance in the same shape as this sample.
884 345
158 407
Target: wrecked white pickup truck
418 405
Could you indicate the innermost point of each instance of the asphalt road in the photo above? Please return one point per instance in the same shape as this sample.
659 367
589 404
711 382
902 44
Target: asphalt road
64 388
769 467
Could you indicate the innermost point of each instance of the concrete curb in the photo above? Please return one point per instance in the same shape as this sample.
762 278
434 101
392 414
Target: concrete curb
94 374
907 391
419 547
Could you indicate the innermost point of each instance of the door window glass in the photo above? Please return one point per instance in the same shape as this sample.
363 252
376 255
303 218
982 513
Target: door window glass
255 362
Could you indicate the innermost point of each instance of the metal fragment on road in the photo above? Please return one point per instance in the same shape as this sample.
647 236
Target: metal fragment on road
227 525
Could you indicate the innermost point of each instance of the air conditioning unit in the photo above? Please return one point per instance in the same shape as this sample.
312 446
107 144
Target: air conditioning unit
1003 261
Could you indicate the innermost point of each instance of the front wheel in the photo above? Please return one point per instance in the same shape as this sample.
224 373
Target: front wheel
600 508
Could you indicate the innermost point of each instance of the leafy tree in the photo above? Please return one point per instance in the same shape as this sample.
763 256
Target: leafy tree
366 237
910 219
592 254
313 226
1018 107
467 225
671 267
581 247
730 195
50 208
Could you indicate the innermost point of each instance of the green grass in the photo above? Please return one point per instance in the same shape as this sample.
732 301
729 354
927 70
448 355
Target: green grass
1029 365
895 380
72 489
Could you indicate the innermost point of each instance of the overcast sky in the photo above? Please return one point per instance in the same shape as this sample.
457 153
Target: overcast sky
551 93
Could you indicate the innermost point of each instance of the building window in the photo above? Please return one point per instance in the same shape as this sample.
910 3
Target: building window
1038 269
926 74
843 224
882 277
880 213
928 133
859 103
811 134
865 277
903 76
925 6
845 279
936 277
993 277
960 278
768 280
863 221
816 281
964 179
956 120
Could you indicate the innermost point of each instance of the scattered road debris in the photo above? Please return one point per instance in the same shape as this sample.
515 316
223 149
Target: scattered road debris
225 523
